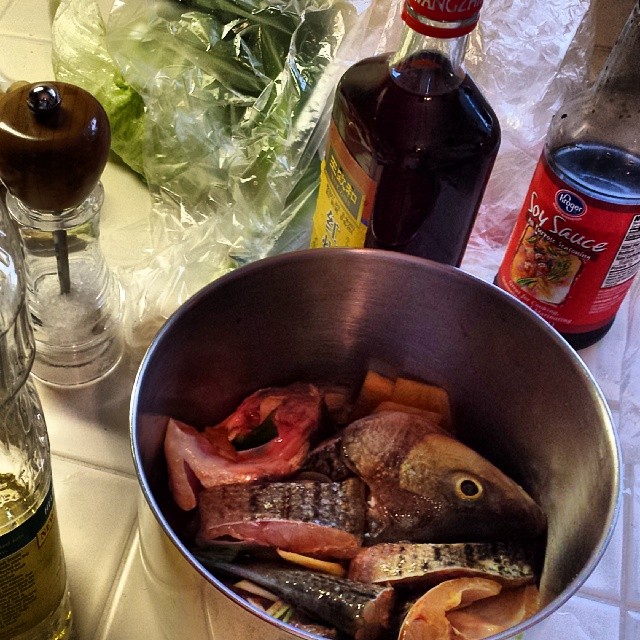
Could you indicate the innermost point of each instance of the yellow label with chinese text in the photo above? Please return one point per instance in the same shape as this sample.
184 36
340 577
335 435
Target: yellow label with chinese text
345 199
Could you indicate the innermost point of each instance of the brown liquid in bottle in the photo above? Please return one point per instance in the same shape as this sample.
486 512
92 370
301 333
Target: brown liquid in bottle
430 148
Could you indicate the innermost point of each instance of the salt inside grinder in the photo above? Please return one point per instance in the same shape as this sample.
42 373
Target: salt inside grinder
54 144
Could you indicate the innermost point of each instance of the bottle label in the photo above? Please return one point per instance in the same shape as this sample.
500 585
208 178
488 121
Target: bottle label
345 198
449 18
32 571
571 257
446 10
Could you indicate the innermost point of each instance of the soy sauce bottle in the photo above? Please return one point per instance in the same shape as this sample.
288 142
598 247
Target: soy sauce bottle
412 142
575 248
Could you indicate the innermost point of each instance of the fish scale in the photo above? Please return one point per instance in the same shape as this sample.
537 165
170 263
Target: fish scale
420 564
324 518
320 502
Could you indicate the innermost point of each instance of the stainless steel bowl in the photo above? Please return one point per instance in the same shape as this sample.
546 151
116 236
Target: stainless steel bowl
522 397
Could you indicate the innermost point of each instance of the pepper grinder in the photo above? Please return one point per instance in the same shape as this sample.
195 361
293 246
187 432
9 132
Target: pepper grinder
54 144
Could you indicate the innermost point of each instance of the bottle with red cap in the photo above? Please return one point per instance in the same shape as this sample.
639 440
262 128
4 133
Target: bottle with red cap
411 144
575 248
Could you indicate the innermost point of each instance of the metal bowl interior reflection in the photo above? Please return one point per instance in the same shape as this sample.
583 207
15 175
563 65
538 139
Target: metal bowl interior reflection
521 396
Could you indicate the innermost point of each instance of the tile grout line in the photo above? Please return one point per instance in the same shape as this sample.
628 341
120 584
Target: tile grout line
96 467
627 532
6 8
22 36
104 621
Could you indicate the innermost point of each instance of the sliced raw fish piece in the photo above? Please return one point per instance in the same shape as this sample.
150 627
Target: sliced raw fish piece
426 486
208 458
427 564
468 609
361 610
292 406
323 519
485 618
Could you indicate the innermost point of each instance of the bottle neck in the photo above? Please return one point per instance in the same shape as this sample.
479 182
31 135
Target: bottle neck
428 65
605 114
621 72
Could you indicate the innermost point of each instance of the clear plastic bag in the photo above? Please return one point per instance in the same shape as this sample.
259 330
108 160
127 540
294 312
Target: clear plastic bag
526 57
222 107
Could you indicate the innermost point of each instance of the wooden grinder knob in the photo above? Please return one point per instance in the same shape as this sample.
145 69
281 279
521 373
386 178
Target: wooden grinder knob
54 144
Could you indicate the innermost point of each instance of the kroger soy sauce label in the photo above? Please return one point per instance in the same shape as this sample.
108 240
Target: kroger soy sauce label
571 257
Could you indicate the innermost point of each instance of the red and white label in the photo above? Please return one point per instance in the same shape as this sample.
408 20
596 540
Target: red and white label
571 258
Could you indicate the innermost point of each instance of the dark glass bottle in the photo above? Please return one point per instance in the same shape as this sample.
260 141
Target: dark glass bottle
411 146
575 248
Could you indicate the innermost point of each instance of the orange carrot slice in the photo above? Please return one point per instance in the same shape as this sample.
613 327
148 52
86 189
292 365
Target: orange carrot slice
375 389
389 405
422 395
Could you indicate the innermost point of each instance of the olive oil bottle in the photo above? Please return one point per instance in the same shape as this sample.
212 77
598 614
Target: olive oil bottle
34 597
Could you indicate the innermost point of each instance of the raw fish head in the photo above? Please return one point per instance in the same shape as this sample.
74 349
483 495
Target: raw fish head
425 486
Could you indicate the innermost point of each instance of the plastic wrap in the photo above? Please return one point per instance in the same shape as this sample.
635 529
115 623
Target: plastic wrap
229 140
235 102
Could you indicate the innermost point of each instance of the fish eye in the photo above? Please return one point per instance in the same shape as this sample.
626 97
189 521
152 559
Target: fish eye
468 488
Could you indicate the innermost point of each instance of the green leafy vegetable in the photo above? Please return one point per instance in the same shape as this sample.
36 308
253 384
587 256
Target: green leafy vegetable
221 106
78 29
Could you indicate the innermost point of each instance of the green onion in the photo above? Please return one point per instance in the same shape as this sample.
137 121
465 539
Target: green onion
278 609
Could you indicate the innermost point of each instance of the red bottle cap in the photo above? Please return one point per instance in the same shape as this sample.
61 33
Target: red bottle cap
442 18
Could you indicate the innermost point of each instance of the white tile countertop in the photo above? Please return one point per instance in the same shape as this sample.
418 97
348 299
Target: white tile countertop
96 488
